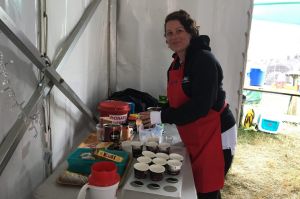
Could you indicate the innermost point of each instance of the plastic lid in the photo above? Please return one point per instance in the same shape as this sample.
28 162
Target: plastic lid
104 174
114 105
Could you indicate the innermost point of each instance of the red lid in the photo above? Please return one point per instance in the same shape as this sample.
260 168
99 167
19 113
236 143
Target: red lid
104 174
113 105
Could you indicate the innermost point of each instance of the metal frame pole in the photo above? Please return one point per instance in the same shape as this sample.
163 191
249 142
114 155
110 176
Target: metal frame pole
16 36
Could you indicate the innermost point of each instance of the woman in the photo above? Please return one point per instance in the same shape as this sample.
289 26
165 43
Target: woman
197 105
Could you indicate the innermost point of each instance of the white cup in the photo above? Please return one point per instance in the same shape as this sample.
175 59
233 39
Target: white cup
168 139
164 147
140 170
149 154
136 144
153 139
151 146
156 172
126 146
174 167
137 148
95 192
144 159
176 156
159 161
162 155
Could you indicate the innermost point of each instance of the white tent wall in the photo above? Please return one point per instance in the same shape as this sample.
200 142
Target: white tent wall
142 54
25 170
84 69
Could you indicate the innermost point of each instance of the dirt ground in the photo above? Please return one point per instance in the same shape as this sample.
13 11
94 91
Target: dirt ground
266 166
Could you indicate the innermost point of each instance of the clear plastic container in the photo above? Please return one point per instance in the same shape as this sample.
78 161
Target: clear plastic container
151 134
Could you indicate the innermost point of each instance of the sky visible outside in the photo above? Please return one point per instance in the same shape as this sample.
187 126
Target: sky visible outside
274 35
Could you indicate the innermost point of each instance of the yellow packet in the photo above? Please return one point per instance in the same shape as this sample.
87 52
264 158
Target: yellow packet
109 156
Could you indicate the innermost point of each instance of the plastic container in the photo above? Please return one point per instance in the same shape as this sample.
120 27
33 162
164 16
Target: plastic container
112 133
104 174
79 165
256 77
117 111
151 134
96 192
131 107
269 124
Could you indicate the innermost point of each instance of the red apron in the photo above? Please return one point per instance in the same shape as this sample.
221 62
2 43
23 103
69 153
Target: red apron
202 139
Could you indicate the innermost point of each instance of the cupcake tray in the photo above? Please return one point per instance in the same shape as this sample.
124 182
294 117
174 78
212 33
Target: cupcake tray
170 187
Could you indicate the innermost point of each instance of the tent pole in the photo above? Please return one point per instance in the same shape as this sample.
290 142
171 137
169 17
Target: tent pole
16 36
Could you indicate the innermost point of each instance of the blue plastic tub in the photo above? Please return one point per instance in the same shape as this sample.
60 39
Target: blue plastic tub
256 77
269 123
78 165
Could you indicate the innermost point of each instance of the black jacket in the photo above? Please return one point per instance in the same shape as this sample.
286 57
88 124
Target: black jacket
202 83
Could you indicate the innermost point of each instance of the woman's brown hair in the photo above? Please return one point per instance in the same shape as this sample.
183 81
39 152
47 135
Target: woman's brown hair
185 19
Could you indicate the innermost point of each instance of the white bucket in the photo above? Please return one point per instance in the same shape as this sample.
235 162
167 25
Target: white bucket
95 192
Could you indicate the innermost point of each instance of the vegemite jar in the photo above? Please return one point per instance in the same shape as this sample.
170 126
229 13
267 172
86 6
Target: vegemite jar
112 132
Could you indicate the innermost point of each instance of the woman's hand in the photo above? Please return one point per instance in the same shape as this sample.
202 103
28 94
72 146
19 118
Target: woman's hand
145 117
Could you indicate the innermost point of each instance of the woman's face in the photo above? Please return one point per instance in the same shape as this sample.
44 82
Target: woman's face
177 38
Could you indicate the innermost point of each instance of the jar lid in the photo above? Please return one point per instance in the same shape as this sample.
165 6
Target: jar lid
114 105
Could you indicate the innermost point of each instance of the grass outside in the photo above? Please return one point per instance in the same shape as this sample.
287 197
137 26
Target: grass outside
265 166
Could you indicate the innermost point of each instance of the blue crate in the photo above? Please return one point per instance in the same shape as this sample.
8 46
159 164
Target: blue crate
268 124
78 165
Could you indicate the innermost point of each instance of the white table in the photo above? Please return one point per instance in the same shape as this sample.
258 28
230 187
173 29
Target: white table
49 189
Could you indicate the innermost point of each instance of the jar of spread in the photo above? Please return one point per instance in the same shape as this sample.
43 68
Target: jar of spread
112 132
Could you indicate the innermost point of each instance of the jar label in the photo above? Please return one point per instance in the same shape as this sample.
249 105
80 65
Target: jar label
119 119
